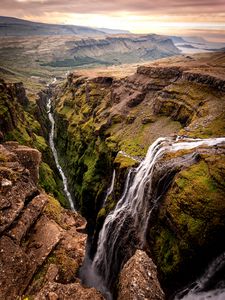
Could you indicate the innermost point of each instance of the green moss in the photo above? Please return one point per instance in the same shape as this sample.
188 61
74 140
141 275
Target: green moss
215 127
48 183
191 217
53 209
40 143
124 161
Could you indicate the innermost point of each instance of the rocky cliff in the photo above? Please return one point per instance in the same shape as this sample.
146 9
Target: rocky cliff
41 244
25 121
113 50
106 123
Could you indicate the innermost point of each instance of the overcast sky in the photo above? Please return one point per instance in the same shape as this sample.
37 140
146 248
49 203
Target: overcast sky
186 17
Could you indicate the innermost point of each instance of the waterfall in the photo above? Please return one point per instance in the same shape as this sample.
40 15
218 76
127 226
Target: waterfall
125 227
54 151
199 289
110 189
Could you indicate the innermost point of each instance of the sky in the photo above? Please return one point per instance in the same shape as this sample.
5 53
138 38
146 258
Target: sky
205 18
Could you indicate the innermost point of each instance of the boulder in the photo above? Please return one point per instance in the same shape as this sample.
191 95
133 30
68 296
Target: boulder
138 279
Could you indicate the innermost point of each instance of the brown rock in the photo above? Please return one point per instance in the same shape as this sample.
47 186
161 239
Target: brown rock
29 216
30 159
15 196
46 236
138 279
14 267
52 296
39 241
147 120
135 99
68 292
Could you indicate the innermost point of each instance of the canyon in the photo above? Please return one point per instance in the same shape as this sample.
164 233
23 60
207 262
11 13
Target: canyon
103 128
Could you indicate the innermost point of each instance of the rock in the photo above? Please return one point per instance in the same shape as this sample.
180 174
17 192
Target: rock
147 120
168 73
20 93
103 80
67 292
187 231
27 219
30 159
16 196
4 203
47 235
135 99
14 269
39 241
138 279
6 183
130 119
212 81
52 296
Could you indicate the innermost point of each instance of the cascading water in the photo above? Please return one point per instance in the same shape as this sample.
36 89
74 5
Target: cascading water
124 228
52 145
110 189
200 290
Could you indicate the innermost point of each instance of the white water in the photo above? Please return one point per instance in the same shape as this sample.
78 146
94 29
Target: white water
54 151
110 189
133 206
197 291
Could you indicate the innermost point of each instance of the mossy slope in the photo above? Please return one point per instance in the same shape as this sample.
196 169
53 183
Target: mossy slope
190 226
18 122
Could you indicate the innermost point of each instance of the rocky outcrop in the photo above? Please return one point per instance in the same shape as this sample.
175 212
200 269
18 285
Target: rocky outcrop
56 291
206 79
187 230
41 244
138 279
21 121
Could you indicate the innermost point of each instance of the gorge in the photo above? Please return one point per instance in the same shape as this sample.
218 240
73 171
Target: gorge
54 151
125 227
142 159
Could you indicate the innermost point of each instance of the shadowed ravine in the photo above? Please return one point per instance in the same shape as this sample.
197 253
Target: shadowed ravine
54 151
209 286
125 228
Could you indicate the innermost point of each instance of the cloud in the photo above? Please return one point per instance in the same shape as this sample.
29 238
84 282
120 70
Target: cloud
166 7
159 16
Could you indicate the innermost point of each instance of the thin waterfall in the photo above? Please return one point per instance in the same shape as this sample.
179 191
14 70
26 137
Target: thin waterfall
124 228
55 154
110 189
199 289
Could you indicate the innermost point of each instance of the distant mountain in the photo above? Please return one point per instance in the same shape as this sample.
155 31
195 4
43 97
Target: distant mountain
177 39
17 27
195 39
114 31
114 50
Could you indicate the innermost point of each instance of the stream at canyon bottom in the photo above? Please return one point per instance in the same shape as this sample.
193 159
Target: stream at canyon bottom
55 154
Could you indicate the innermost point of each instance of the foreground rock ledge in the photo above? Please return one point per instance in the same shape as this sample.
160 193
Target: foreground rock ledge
138 279
41 248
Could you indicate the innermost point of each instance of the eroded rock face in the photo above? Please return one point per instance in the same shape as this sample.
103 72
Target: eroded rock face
41 246
187 231
138 279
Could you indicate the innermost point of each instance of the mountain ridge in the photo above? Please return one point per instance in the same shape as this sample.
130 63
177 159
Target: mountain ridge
9 27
